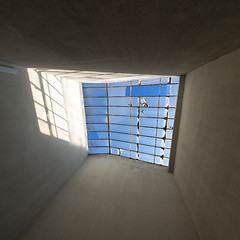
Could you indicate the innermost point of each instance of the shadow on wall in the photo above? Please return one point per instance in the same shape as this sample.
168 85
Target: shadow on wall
59 107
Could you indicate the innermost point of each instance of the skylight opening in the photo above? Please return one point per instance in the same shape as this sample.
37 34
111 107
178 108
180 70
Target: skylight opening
133 119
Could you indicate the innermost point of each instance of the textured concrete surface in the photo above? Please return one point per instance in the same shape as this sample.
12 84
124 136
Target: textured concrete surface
112 197
155 37
207 161
33 166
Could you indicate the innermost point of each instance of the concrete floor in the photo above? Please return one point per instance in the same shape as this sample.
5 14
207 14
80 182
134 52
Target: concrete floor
111 197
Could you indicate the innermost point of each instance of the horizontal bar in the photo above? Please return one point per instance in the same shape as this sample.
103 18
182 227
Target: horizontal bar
125 106
106 139
129 96
126 150
133 134
112 115
122 124
157 84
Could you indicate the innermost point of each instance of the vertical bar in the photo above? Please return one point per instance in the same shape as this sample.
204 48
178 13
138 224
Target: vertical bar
109 146
165 128
130 105
157 120
138 126
176 123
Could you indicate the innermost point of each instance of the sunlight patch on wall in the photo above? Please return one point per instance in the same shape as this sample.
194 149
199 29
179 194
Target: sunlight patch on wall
49 104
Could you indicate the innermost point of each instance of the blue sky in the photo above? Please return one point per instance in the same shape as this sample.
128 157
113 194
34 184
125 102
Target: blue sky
123 101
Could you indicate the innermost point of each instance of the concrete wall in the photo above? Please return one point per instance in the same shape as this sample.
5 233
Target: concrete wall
207 161
33 166
115 198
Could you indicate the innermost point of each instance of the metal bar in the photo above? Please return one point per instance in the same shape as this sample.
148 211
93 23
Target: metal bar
157 121
136 85
132 151
125 106
108 119
165 128
127 96
122 124
134 143
111 115
133 134
138 128
112 139
130 117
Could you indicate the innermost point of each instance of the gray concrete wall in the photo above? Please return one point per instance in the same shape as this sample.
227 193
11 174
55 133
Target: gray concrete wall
207 160
115 198
33 166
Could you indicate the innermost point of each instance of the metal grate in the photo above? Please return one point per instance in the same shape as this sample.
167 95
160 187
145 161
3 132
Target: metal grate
132 119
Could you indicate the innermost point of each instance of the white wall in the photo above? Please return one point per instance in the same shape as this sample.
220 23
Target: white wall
208 154
33 165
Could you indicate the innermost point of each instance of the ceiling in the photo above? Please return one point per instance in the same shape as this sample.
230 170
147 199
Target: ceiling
123 36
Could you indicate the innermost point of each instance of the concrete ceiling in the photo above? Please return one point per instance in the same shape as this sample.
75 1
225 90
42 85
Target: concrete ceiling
143 37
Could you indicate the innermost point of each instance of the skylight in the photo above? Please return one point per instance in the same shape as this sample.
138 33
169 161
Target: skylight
132 119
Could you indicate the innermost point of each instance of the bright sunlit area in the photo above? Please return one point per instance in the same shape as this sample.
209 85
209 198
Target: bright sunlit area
128 115
133 119
59 107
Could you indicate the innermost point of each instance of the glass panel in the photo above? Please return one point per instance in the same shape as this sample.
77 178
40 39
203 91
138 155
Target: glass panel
95 110
151 101
121 91
161 123
147 140
122 111
96 119
114 151
124 129
146 149
118 144
146 158
118 84
172 101
94 85
125 153
148 112
97 127
162 112
175 79
163 102
116 101
119 136
149 122
98 150
171 113
174 89
145 90
165 162
150 81
94 92
98 142
170 123
168 143
164 80
95 101
97 135
147 131
160 142
123 120
167 153
169 134
160 133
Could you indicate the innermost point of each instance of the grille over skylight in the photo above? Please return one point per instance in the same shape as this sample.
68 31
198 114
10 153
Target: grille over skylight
133 119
